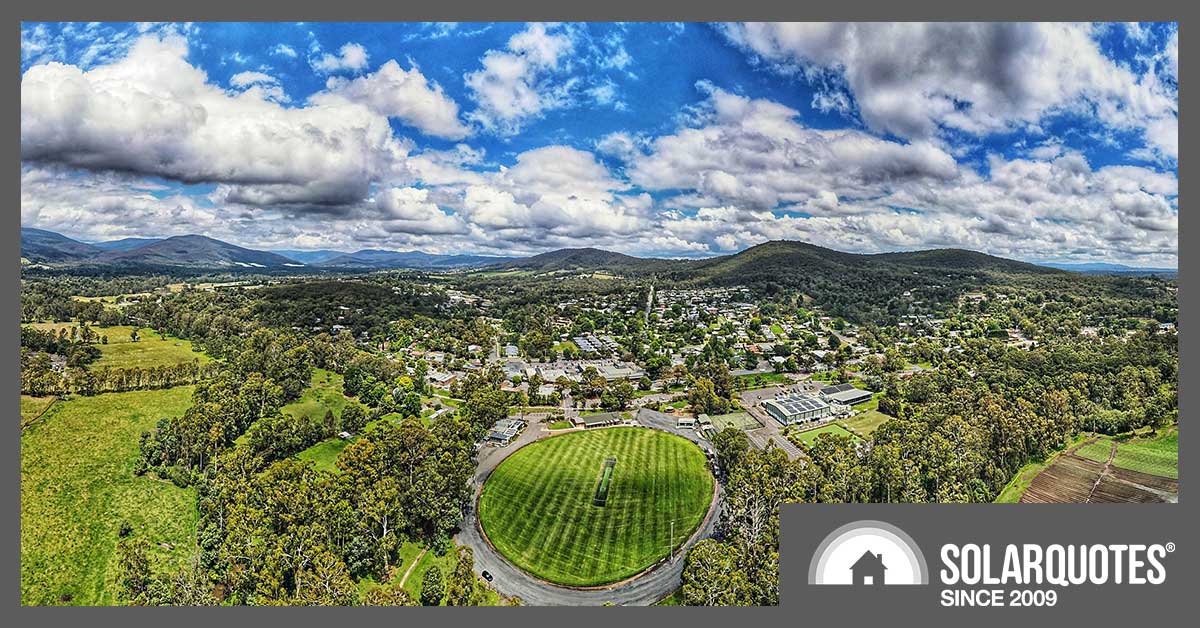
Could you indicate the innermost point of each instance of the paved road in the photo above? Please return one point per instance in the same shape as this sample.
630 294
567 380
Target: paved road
508 580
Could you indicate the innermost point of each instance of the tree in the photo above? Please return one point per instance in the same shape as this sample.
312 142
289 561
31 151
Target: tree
393 595
460 587
133 569
731 445
326 582
329 423
432 588
354 418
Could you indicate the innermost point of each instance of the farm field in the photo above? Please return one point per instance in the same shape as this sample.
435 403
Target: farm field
1017 486
809 437
151 350
1077 476
537 507
865 423
1156 456
78 486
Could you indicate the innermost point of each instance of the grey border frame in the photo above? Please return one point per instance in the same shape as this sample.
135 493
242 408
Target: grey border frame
513 10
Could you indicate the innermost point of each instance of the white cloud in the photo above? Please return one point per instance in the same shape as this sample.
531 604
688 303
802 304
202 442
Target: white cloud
754 153
516 84
911 79
351 56
154 113
284 50
404 94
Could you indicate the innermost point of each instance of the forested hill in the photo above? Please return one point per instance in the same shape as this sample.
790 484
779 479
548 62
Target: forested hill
593 260
858 286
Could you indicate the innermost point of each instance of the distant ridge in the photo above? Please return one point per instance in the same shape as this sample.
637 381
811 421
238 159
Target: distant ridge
195 251
125 244
309 257
379 259
778 260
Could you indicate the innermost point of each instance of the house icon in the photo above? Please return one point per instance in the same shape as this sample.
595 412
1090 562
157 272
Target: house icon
868 569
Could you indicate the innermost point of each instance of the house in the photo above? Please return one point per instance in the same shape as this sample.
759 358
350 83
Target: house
686 422
868 569
441 379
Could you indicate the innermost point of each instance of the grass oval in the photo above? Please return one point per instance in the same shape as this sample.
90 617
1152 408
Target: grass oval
538 507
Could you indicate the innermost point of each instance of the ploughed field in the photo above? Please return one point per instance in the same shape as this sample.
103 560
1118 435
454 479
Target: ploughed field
559 510
1104 471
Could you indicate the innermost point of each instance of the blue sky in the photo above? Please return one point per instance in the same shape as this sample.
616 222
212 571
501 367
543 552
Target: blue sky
1045 142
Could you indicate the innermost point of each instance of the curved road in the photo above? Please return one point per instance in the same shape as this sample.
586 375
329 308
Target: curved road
511 581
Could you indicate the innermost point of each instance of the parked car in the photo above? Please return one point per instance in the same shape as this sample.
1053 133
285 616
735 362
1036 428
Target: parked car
487 575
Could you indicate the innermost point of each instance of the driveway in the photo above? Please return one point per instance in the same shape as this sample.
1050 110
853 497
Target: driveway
509 580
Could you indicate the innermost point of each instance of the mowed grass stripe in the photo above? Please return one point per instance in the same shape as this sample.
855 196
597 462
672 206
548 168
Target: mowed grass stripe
537 505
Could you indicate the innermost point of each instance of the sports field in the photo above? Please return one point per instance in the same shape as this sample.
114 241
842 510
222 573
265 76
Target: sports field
78 487
736 420
865 423
538 507
810 437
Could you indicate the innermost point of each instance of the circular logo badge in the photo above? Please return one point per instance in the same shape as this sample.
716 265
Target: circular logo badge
868 553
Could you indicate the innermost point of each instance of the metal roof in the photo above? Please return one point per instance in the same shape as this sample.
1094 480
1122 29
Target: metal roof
791 405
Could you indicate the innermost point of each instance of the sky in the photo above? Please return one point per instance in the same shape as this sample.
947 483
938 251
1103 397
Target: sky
1041 142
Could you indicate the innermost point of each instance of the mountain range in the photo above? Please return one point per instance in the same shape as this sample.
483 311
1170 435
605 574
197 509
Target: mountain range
771 259
39 246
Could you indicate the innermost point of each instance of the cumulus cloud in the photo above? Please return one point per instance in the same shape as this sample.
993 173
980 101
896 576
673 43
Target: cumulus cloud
153 113
407 95
262 84
912 79
107 151
755 153
351 56
517 83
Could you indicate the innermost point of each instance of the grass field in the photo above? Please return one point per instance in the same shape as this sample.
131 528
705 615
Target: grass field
865 423
31 407
810 437
1156 456
324 393
77 486
760 380
324 454
537 505
151 350
736 420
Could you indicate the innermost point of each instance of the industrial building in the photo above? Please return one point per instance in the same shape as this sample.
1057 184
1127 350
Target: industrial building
797 408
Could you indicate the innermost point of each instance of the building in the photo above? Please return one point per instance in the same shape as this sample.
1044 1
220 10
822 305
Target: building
599 420
441 379
797 408
505 430
845 394
686 422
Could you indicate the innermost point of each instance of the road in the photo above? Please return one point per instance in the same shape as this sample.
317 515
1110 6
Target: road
771 431
644 590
